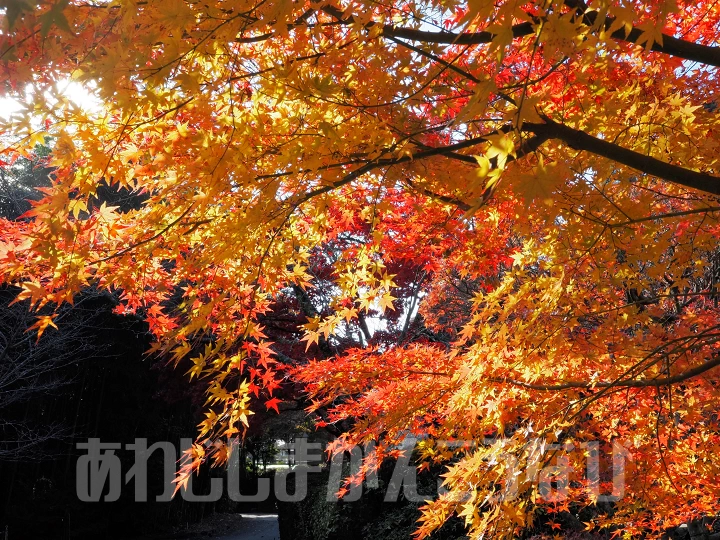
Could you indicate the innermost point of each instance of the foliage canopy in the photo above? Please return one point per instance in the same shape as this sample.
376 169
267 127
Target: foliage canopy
541 176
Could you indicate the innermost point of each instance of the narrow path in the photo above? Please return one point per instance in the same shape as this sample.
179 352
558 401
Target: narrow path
255 527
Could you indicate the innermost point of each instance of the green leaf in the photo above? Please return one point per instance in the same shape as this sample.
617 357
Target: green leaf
55 17
14 9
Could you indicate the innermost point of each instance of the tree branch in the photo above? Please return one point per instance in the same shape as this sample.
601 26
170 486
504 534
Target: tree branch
580 140
387 162
628 383
708 210
670 45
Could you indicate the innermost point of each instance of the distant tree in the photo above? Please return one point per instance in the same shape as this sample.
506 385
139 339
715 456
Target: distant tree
20 180
32 369
35 365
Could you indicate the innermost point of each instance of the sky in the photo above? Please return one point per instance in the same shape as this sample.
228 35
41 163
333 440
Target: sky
76 92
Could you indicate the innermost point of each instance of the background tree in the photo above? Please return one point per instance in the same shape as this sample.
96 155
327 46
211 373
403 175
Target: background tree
29 368
90 378
20 182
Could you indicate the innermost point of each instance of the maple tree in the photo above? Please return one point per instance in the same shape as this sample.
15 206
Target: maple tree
545 174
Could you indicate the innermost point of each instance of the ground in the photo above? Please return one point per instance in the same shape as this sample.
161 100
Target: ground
254 527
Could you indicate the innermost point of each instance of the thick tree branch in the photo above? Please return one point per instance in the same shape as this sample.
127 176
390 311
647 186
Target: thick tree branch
649 165
670 45
452 38
364 327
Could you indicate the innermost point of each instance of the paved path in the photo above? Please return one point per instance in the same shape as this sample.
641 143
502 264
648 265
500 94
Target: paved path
255 527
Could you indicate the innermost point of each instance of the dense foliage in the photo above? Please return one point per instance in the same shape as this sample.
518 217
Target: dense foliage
495 220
